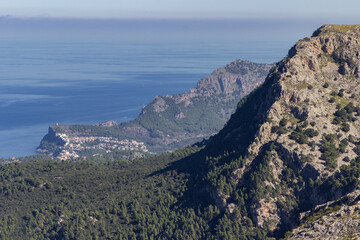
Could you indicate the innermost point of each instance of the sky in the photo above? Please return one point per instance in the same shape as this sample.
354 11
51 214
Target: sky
118 19
345 9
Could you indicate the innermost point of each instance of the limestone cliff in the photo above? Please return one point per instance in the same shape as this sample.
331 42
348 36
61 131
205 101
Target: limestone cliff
293 143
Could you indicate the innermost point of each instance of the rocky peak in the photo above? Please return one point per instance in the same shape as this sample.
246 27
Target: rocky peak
240 75
314 86
109 123
295 136
338 44
328 29
234 81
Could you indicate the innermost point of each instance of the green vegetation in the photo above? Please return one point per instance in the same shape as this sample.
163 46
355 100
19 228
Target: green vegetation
357 149
341 93
301 136
156 198
345 181
342 145
310 132
199 109
311 218
155 126
281 129
142 199
116 155
344 28
345 115
329 151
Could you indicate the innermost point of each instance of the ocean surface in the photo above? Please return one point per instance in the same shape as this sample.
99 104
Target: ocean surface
72 81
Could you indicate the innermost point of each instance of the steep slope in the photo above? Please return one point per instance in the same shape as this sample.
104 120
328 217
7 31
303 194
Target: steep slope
338 219
293 143
168 122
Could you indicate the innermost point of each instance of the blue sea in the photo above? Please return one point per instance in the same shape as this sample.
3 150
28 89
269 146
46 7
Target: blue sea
79 79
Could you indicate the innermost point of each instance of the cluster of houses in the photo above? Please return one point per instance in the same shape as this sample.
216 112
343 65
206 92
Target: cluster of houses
75 145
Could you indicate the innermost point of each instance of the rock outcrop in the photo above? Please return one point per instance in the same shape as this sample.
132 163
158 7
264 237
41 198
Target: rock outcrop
338 219
109 123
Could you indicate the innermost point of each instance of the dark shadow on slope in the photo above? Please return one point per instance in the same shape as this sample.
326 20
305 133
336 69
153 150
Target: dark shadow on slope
229 145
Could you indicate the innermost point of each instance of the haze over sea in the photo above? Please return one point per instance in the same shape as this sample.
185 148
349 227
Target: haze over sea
88 71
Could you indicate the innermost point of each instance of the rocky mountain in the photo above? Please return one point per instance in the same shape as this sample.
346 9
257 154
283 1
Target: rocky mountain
285 166
293 144
168 122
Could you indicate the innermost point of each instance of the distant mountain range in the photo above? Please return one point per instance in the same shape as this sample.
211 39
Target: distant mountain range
168 122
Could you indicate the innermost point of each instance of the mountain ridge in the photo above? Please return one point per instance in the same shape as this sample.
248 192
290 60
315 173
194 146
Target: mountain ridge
169 121
305 128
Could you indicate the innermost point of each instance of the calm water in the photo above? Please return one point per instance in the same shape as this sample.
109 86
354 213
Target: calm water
69 82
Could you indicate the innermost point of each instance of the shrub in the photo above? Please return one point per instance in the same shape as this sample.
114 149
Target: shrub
299 136
336 120
345 114
357 150
332 100
326 85
331 137
341 93
329 151
312 144
342 146
274 129
283 122
311 132
345 127
340 113
305 124
350 108
351 139
282 130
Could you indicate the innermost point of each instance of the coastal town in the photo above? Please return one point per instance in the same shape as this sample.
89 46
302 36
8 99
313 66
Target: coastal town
74 146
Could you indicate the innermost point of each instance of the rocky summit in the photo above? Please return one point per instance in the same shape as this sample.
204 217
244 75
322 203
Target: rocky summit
295 143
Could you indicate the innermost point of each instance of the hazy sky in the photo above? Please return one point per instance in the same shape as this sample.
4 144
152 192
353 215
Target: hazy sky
348 9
